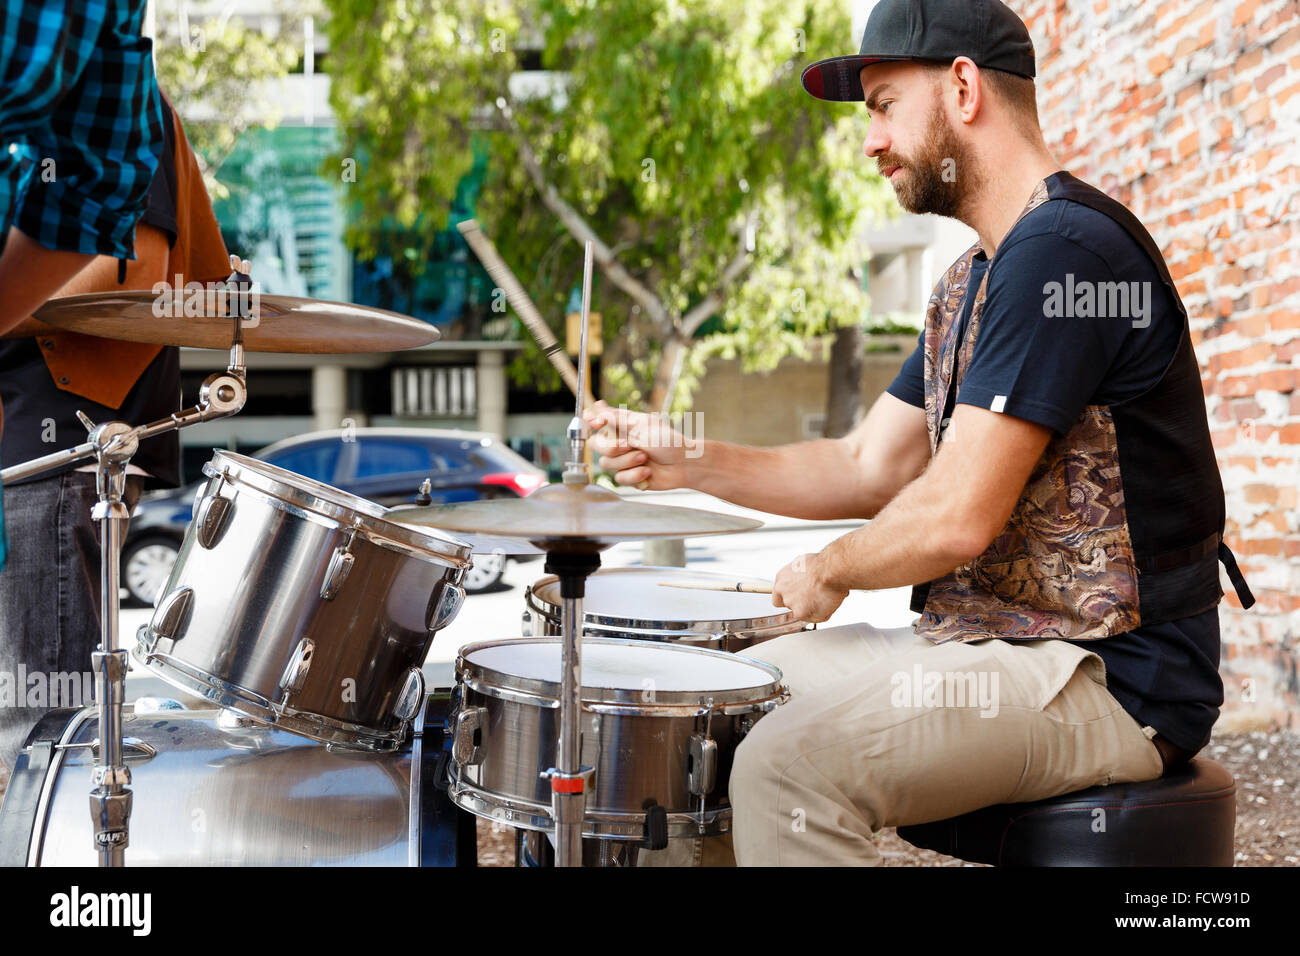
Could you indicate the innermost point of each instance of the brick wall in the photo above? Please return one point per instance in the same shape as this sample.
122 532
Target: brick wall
1188 111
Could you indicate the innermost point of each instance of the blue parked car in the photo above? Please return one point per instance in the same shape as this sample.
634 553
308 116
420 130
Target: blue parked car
383 465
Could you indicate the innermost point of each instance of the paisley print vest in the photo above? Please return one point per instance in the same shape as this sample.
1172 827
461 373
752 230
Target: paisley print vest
1121 521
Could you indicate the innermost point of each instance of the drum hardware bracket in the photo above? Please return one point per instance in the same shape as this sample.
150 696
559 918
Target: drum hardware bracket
295 671
411 696
654 832
467 735
447 606
131 747
340 566
702 757
170 617
212 515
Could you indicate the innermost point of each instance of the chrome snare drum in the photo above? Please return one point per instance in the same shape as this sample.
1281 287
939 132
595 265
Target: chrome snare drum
300 605
660 724
629 603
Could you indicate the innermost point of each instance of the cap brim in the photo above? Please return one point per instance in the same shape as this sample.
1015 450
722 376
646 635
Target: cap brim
836 79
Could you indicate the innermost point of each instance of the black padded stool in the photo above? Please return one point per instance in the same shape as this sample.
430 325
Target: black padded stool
1185 818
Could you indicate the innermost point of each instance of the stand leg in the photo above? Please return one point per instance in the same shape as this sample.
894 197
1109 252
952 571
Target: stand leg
110 800
569 778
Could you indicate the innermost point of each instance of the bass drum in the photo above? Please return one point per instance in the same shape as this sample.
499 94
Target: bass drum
212 788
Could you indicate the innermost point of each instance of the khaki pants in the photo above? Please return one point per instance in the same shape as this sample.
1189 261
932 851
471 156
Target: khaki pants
886 729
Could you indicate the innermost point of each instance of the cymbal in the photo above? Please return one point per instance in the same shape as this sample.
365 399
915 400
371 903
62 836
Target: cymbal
572 518
282 324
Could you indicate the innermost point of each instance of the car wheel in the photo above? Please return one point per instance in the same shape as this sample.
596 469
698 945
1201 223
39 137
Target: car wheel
487 573
146 566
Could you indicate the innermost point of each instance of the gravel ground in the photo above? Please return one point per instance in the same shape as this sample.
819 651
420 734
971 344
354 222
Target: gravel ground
1266 765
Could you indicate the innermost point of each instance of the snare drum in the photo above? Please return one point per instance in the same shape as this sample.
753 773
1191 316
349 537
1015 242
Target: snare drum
629 603
660 724
301 605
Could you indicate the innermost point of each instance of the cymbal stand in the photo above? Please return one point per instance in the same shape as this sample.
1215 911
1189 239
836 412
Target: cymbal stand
569 779
112 445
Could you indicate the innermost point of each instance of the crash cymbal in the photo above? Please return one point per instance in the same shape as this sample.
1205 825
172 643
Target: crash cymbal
281 323
572 518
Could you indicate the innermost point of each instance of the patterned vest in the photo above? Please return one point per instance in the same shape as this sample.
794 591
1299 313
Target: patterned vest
1121 521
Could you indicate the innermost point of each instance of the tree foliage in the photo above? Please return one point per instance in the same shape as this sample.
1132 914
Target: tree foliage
722 200
211 65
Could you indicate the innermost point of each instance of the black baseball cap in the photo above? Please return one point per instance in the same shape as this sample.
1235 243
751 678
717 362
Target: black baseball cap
987 31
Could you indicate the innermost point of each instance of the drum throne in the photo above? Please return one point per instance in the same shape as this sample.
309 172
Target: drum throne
1185 818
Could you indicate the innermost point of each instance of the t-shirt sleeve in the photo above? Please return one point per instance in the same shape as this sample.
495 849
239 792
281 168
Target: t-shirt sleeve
1045 344
909 384
160 204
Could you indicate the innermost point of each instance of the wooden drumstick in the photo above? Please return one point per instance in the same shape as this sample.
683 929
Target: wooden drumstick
496 267
740 586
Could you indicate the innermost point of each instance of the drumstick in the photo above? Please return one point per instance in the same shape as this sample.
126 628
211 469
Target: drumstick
496 267
740 586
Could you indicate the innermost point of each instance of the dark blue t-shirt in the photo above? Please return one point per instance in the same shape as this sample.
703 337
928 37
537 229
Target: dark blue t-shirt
1075 314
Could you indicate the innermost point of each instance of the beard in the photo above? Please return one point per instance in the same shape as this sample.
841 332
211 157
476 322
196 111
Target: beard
939 177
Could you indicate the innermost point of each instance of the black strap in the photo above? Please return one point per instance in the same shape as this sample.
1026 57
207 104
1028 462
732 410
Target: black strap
121 271
1169 560
1235 576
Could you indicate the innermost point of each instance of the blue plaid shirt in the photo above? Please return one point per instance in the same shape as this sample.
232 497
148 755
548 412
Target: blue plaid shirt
77 96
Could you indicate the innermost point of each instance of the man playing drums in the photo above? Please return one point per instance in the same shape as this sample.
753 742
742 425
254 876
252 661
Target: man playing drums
1040 472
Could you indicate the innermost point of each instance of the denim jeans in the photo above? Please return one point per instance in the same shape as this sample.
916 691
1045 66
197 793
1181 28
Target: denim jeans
49 600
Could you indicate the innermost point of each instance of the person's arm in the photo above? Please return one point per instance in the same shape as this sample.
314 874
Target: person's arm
152 252
30 274
946 517
849 477
89 206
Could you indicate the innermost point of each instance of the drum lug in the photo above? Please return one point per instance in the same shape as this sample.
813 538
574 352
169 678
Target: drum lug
295 672
336 573
411 696
701 764
464 748
171 616
447 607
212 516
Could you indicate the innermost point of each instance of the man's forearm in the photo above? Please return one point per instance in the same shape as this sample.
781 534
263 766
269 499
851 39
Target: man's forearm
912 540
816 480
30 274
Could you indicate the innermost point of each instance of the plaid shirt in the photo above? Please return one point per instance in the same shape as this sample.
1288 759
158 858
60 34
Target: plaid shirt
79 99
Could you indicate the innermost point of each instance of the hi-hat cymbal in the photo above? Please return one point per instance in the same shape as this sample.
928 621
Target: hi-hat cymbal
282 324
572 518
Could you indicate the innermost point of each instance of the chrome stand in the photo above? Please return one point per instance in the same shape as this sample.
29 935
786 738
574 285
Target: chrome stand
569 779
112 445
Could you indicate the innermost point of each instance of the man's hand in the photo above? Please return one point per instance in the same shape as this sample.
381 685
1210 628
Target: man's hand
802 587
637 448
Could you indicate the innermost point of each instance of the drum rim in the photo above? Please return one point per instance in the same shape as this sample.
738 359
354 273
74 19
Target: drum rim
737 625
348 509
225 695
524 814
733 699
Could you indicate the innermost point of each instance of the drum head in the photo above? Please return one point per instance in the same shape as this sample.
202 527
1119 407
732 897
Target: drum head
625 670
633 597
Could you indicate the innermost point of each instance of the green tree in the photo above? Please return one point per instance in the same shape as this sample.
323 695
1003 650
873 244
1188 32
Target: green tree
721 200
211 65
